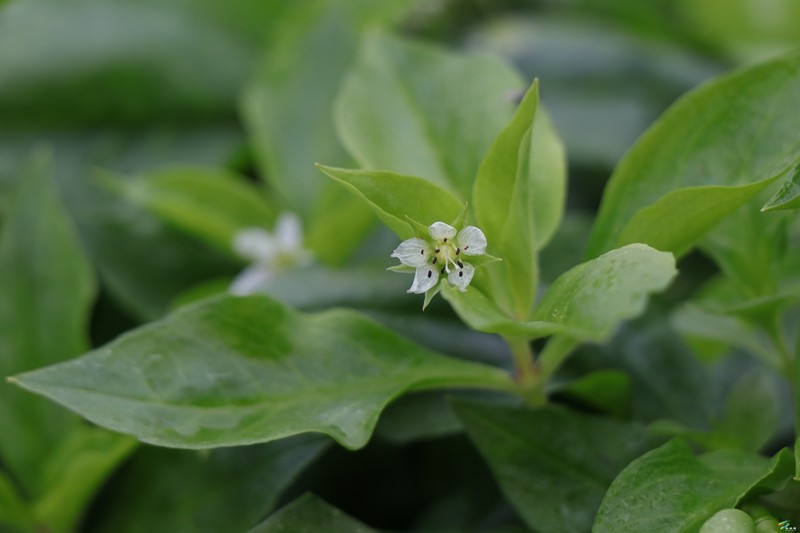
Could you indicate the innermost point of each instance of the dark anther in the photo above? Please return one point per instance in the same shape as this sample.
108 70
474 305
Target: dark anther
460 264
436 250
460 273
430 273
445 239
422 252
458 251
466 248
434 260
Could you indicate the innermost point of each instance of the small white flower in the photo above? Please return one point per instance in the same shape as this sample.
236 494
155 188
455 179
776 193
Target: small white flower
445 253
269 253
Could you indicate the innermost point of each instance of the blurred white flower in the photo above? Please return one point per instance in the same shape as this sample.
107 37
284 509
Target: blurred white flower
269 253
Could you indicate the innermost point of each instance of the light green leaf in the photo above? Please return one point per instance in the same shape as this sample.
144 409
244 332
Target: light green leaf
309 513
553 464
75 471
592 298
788 196
46 290
722 141
394 197
606 390
230 371
729 521
415 109
228 489
287 111
586 302
518 198
211 204
683 491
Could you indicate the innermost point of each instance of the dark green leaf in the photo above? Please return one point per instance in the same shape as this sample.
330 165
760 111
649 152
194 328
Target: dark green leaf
310 514
606 390
394 197
14 510
682 491
180 490
231 371
46 291
554 465
208 203
711 152
415 109
751 411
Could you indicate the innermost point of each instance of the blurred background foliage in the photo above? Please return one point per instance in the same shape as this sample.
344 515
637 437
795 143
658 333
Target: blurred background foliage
96 91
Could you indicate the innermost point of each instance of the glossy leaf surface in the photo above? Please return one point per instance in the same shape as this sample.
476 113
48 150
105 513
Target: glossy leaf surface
721 141
231 371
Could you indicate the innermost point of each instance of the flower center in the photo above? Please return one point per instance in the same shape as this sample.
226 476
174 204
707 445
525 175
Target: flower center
447 253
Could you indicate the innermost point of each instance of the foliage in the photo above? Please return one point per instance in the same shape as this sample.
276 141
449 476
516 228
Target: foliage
633 369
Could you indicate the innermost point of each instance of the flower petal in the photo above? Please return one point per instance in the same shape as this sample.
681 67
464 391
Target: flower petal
460 277
255 244
289 230
472 241
250 281
441 231
414 252
425 278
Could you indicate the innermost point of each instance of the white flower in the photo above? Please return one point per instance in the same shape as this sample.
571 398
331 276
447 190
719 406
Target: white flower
269 253
445 253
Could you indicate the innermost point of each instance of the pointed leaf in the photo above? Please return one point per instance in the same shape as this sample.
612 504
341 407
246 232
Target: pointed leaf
310 513
230 371
395 198
553 464
683 491
788 196
46 290
722 141
415 109
209 203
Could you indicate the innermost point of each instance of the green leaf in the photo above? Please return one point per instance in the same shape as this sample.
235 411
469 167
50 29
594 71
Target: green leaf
211 204
14 510
75 471
586 302
287 111
231 371
228 489
606 390
592 298
553 464
394 197
415 109
518 198
751 411
46 291
683 491
788 196
713 150
309 513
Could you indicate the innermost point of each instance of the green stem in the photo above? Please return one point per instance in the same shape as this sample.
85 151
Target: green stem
786 358
527 373
556 351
